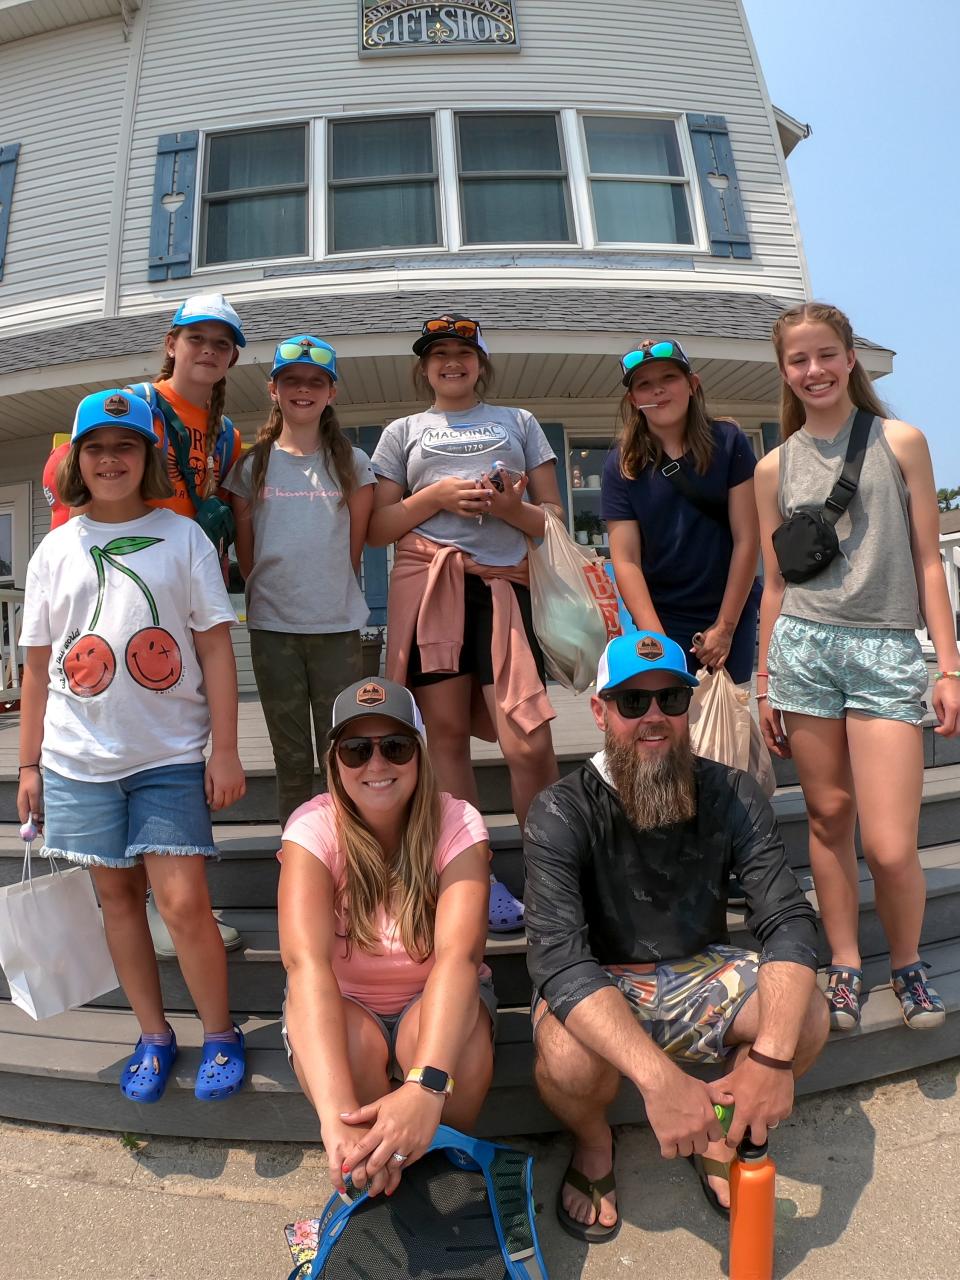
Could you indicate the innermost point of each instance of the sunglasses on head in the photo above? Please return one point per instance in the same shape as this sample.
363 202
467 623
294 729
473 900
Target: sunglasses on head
396 748
655 351
460 328
297 350
634 703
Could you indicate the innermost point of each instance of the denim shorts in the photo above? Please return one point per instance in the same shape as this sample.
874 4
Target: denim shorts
389 1023
819 669
685 1006
113 824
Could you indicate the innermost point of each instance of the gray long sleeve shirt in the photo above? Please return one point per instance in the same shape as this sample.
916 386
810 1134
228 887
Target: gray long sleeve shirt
599 892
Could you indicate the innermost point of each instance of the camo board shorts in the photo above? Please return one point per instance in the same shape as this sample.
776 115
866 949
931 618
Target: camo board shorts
819 669
688 1006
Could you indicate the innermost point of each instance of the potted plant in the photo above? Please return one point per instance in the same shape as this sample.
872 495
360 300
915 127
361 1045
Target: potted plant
371 649
583 525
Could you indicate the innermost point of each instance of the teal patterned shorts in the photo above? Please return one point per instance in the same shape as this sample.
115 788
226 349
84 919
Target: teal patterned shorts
818 669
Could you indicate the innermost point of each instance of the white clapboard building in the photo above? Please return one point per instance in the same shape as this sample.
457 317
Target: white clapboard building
575 173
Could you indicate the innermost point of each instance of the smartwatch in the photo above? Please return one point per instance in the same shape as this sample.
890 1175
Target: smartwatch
432 1079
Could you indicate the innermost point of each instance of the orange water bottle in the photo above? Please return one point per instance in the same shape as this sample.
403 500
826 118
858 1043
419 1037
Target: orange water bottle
753 1204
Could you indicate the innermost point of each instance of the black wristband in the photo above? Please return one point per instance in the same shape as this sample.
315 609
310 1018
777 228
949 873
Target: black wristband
21 767
778 1064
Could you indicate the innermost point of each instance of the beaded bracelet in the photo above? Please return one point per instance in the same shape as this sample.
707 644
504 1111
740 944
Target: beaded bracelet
946 675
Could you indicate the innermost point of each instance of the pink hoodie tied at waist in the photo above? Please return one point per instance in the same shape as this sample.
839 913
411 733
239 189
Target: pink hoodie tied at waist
426 607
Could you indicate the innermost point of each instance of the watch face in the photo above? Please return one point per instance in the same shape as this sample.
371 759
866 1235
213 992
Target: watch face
434 1079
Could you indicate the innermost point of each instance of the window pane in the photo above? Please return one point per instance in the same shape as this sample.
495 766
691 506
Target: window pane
394 216
642 212
256 227
646 147
514 210
525 143
382 148
258 158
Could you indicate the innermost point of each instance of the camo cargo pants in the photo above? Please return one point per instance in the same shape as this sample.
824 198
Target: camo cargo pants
299 676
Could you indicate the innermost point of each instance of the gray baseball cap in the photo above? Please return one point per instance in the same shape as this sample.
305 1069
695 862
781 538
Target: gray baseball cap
376 697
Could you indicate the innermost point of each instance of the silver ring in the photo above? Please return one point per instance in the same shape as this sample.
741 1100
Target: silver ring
398 1156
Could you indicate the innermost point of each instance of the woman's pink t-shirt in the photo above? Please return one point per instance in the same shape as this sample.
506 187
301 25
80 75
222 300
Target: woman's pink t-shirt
388 980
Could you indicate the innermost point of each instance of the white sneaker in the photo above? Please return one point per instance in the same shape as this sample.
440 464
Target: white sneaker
162 942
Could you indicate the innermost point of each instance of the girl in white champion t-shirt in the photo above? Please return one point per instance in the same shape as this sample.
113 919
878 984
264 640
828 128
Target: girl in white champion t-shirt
302 499
129 670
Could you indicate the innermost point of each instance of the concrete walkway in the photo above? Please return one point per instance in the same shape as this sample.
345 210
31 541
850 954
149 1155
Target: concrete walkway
869 1185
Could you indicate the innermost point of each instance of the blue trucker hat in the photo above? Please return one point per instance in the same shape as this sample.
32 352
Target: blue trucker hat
637 653
113 408
209 306
305 349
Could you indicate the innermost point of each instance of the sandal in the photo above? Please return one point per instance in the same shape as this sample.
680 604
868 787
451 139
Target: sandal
594 1232
506 911
844 985
221 1068
147 1071
708 1168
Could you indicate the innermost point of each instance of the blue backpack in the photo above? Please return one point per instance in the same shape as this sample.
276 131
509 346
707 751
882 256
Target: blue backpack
464 1209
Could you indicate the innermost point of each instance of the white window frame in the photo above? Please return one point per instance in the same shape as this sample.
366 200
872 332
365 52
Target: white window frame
18 499
324 194
254 126
689 181
563 143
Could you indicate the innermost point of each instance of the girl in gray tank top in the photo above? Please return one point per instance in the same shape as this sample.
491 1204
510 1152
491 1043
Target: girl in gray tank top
842 673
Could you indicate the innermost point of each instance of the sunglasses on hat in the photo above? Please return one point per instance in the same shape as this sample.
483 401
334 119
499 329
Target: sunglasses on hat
297 350
634 703
667 350
396 748
444 324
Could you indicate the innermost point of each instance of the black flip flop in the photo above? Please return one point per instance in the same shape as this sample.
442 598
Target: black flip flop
596 1232
705 1167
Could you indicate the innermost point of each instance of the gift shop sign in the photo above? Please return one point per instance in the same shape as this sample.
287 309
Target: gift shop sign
410 26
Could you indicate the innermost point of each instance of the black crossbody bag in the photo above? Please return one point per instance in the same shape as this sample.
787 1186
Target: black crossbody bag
807 542
717 511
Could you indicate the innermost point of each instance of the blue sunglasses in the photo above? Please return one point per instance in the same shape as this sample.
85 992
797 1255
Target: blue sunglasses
667 350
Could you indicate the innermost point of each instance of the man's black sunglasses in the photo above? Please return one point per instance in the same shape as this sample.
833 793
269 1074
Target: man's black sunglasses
634 703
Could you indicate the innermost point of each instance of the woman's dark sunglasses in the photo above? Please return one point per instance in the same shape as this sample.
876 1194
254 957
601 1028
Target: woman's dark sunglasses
634 703
396 748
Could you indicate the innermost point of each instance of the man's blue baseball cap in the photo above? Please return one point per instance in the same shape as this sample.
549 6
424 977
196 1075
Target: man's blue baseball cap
305 349
115 408
637 653
209 306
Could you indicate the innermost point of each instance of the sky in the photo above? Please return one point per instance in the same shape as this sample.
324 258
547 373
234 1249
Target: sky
877 184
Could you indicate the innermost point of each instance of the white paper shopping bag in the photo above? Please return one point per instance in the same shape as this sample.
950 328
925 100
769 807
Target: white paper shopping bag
53 950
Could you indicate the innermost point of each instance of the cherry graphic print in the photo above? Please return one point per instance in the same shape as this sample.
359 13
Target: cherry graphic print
152 655
89 666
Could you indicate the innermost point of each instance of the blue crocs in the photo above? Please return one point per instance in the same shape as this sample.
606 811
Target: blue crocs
505 912
221 1068
145 1076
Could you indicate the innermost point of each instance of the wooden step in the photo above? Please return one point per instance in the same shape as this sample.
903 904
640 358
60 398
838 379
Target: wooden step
65 1070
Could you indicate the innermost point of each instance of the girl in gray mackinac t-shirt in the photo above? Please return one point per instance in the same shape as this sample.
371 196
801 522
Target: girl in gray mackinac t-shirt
434 479
302 498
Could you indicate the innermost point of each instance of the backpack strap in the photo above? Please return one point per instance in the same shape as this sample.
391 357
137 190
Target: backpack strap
841 495
147 391
179 440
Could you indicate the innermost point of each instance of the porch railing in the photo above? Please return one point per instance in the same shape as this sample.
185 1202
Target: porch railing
11 609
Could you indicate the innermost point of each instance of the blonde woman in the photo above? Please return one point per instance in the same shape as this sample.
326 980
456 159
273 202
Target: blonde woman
390 1010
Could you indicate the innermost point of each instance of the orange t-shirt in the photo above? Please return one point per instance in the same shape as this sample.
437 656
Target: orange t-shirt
195 420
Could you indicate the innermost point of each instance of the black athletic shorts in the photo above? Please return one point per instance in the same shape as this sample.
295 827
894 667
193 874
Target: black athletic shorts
476 658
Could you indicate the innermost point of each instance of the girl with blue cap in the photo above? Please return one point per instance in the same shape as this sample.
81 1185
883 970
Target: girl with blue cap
302 496
129 671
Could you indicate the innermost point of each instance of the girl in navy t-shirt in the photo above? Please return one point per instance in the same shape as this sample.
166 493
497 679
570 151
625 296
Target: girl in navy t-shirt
678 501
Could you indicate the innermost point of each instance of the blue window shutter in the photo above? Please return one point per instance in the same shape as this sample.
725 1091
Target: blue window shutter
374 558
726 223
557 440
771 435
9 154
171 231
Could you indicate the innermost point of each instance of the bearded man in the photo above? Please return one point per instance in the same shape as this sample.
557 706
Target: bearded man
628 860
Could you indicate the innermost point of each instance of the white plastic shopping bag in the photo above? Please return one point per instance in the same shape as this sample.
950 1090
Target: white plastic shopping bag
574 605
52 946
722 728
